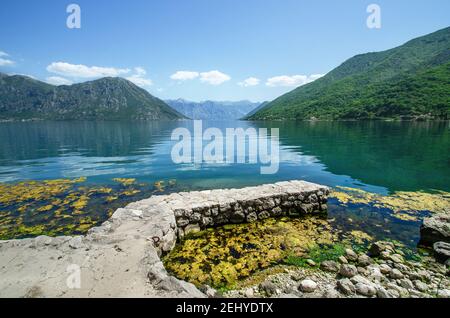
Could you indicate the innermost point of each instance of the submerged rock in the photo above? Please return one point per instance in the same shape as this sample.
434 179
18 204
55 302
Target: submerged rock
435 229
441 251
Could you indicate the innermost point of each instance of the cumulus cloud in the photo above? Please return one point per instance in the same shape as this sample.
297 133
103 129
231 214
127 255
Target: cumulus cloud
292 81
140 81
83 71
184 75
56 80
140 71
138 78
214 77
211 77
314 77
251 81
5 61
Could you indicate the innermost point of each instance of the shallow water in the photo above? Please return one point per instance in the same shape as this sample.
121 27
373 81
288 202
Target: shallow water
379 157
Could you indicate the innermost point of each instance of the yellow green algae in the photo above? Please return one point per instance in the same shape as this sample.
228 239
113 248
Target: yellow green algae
224 256
63 206
403 204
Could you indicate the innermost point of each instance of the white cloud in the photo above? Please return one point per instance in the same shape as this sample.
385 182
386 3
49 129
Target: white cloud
140 71
292 81
184 75
73 70
214 77
56 80
315 77
139 77
4 61
251 81
140 81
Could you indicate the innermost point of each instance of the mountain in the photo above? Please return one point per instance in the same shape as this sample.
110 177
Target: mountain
212 110
107 98
408 82
257 109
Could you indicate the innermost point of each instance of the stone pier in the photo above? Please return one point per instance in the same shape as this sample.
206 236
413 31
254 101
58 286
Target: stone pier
121 258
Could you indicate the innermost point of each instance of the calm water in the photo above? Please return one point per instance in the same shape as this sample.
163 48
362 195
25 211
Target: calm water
376 156
380 157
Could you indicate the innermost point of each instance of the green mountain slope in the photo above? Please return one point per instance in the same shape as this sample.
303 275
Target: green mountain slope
409 81
104 99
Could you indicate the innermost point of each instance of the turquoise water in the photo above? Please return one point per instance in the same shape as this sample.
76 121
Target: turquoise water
381 157
376 156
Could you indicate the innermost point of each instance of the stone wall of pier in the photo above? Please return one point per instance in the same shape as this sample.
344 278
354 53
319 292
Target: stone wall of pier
195 211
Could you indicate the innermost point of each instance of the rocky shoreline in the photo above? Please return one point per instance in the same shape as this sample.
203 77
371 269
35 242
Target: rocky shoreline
122 257
383 273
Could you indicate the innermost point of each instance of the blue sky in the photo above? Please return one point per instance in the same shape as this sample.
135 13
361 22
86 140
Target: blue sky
204 49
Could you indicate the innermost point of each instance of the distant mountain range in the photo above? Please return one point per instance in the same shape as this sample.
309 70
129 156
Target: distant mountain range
108 98
408 82
213 110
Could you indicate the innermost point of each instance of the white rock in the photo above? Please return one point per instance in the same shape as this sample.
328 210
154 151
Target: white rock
385 269
406 283
443 293
396 274
346 286
307 286
365 290
383 293
348 270
249 293
420 286
351 255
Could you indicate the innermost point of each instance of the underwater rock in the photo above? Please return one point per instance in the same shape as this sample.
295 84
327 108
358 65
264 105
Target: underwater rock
441 251
435 229
379 247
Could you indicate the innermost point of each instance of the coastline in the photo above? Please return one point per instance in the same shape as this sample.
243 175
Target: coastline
121 258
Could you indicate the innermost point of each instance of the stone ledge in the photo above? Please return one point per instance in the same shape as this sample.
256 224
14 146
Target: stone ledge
121 258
